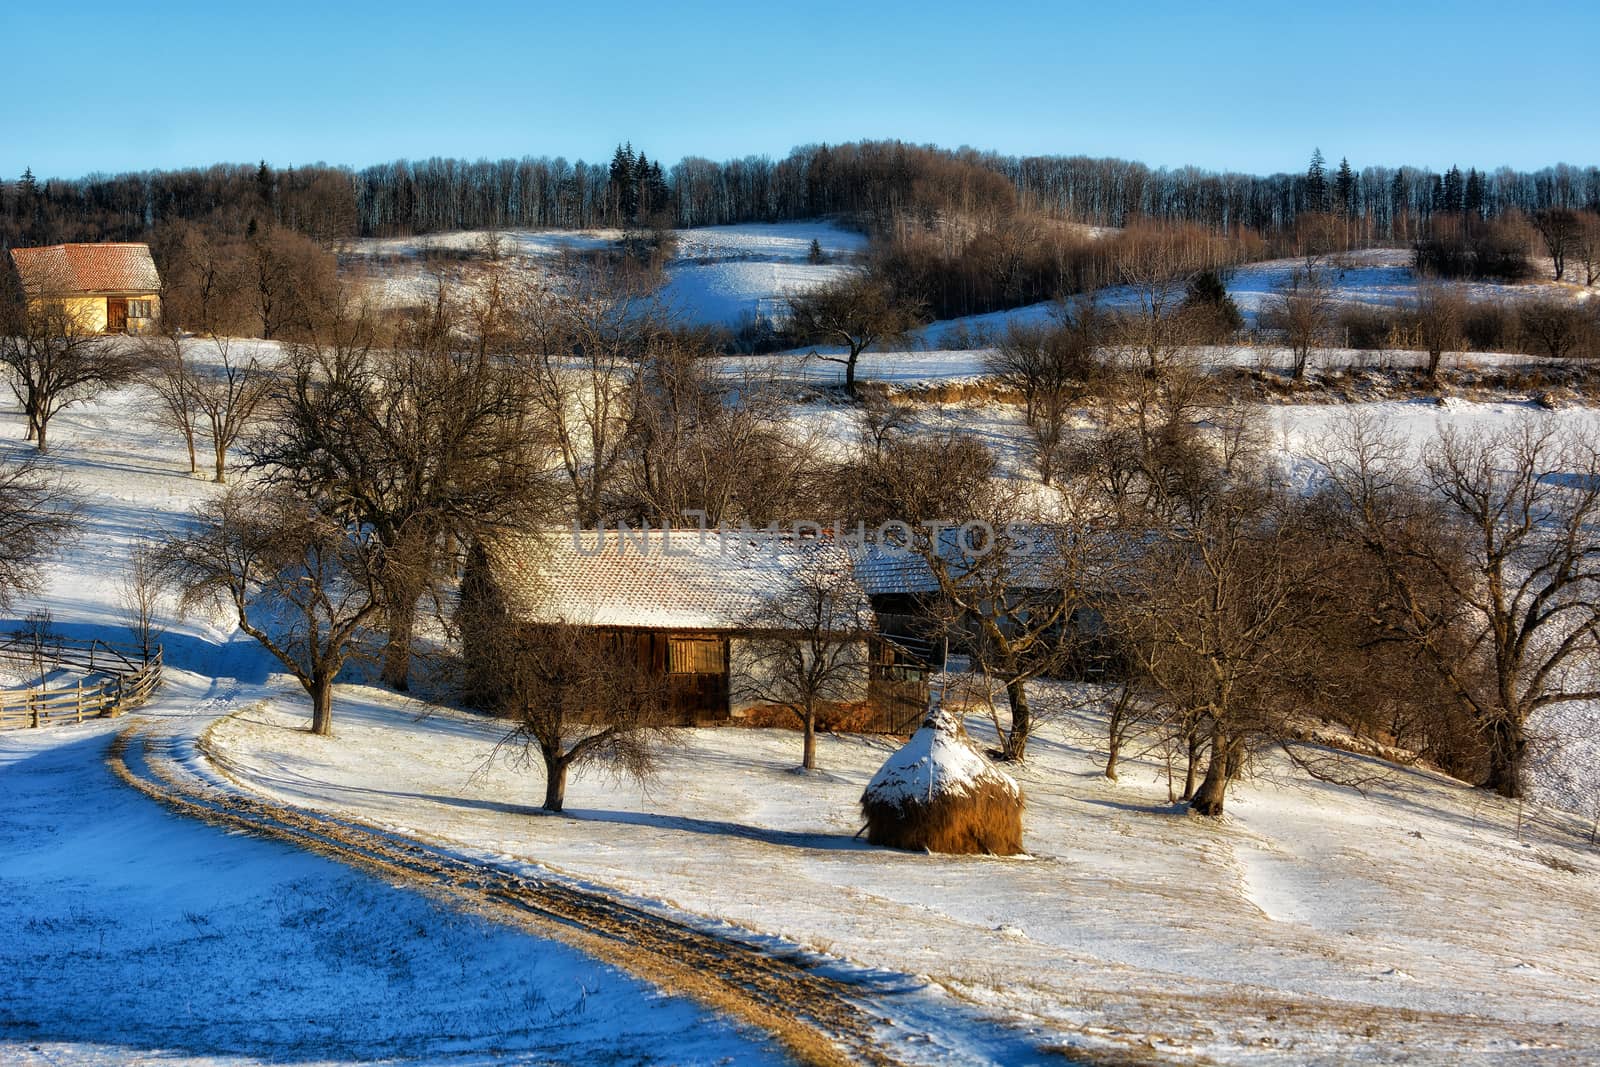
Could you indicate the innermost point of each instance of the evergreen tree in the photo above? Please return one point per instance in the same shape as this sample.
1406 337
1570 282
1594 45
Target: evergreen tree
1317 182
815 255
1474 194
1454 192
264 184
660 194
623 192
1344 189
644 202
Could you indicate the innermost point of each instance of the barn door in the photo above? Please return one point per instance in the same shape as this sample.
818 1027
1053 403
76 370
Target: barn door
116 314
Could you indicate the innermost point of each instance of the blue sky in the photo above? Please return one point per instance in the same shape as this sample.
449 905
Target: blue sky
1245 86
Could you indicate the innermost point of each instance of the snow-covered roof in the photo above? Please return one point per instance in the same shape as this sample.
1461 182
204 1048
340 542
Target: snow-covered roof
883 569
669 579
937 761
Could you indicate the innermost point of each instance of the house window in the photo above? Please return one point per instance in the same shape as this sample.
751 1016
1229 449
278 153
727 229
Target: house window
139 309
695 655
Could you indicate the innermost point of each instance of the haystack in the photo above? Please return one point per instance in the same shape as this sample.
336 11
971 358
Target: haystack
939 793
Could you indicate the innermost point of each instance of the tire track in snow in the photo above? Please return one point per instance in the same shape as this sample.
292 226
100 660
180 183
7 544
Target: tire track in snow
818 1017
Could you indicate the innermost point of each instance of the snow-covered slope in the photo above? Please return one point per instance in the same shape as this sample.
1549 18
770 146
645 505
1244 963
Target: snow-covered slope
1306 927
1375 277
718 275
131 935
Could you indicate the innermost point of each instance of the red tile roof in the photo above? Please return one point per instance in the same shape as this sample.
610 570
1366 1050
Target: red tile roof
97 268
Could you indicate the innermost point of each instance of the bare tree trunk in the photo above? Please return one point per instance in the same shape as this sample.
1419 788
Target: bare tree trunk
1115 728
322 704
219 452
1193 738
555 781
1208 800
402 621
1507 745
808 759
850 371
194 461
1016 742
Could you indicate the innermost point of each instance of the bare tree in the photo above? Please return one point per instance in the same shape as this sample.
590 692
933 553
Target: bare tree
1557 327
808 650
1561 229
1440 314
40 642
1218 616
1124 719
1586 246
422 443
579 357
1302 311
1505 523
1154 331
300 581
1050 362
54 360
228 395
573 698
139 594
855 313
203 279
36 514
170 373
685 424
882 418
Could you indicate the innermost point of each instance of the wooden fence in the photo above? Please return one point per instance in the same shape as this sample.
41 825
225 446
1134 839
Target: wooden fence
120 678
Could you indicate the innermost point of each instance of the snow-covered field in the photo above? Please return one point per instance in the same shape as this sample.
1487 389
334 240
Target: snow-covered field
1305 927
131 935
1422 920
718 275
1374 277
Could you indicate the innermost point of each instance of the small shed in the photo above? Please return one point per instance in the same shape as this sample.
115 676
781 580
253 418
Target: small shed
100 288
682 602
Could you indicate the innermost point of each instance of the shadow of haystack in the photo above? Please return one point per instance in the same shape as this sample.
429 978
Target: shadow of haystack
939 793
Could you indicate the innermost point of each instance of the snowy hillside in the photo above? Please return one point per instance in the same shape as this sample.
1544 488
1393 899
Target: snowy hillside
1305 927
1375 277
718 275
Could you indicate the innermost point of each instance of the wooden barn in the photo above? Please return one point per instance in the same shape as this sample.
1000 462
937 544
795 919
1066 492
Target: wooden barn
910 609
687 604
98 288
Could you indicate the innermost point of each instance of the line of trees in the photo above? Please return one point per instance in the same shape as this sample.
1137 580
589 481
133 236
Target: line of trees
877 182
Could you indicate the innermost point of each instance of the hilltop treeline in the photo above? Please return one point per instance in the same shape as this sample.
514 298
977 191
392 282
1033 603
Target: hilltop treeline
878 183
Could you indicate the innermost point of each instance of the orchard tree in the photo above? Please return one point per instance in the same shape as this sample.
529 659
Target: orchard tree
854 313
1505 523
573 698
302 582
54 359
36 514
808 646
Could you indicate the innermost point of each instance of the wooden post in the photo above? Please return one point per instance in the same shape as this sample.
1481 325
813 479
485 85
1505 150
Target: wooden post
80 698
33 706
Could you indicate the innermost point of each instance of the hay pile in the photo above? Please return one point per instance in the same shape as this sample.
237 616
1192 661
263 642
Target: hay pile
940 794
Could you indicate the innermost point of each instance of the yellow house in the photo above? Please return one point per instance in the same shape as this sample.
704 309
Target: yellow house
101 288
